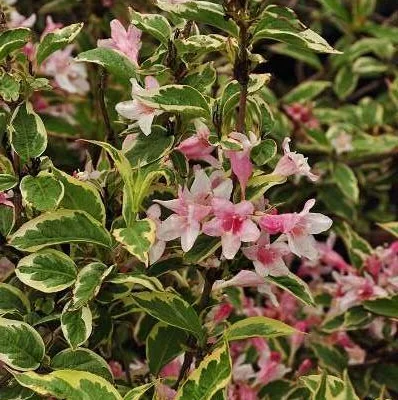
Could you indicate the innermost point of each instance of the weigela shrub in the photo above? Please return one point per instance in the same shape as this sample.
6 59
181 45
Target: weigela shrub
181 261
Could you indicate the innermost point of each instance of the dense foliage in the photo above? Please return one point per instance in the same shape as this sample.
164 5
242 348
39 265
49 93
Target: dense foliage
198 200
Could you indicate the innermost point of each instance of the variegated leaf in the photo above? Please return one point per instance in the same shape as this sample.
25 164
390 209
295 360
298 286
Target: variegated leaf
76 325
13 300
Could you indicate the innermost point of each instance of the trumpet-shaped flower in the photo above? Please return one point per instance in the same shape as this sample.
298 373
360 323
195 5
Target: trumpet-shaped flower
293 163
5 198
136 110
268 257
298 228
127 41
233 224
198 147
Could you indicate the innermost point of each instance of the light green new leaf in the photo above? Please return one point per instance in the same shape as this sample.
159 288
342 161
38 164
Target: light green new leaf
62 226
212 375
42 192
138 392
9 87
13 300
179 99
80 195
306 91
358 248
204 12
88 283
76 325
13 39
281 24
21 346
7 181
138 238
257 327
347 181
116 63
69 385
48 271
171 309
27 132
57 40
391 227
294 285
163 344
154 24
82 360
148 282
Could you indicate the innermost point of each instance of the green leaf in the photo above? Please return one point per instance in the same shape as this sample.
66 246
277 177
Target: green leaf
7 181
27 132
42 192
358 248
391 227
387 306
13 300
330 358
63 226
346 181
138 238
204 12
345 82
304 56
57 40
163 344
294 285
147 282
257 327
80 195
69 385
146 149
82 360
13 39
259 184
9 87
200 44
336 7
88 283
7 219
369 67
21 346
306 91
76 325
154 24
171 309
204 247
138 392
116 63
364 8
14 391
48 271
201 78
264 152
336 202
179 99
212 375
281 24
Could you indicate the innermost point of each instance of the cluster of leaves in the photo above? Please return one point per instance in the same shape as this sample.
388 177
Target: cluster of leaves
89 305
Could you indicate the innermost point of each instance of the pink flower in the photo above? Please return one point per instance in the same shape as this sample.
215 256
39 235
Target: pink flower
4 198
198 147
293 163
302 115
356 355
342 143
127 41
298 228
268 257
116 368
190 208
6 268
164 392
271 368
172 369
233 224
305 367
242 391
159 246
19 21
51 26
241 164
241 370
136 110
69 75
222 312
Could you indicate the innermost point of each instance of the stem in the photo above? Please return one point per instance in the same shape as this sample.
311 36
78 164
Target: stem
241 73
104 112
